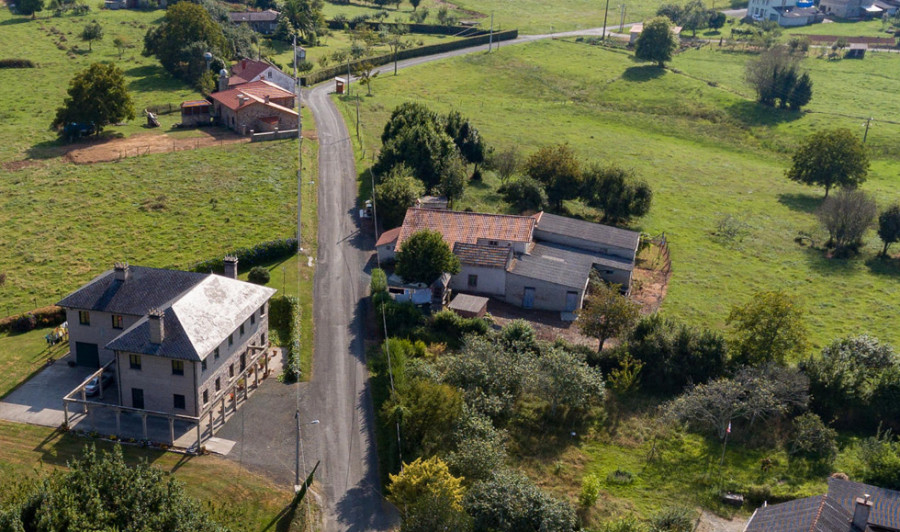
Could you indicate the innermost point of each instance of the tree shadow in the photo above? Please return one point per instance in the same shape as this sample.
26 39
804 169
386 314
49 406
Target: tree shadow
643 73
822 263
752 113
883 265
800 202
18 20
50 149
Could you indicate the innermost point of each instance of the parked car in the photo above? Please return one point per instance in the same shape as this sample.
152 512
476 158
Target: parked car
93 388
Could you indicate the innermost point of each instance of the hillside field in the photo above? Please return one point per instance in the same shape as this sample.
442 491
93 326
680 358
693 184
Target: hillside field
706 149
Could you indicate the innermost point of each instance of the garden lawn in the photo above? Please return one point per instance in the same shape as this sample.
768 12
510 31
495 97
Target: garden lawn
844 28
237 498
31 96
24 355
705 150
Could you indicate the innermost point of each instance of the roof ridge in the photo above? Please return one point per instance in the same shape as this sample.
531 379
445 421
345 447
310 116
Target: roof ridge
815 521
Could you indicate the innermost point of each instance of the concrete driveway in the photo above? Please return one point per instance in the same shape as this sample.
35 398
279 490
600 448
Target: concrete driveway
39 400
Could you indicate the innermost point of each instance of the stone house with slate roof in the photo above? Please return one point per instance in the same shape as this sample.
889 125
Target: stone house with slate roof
847 507
179 339
265 22
542 261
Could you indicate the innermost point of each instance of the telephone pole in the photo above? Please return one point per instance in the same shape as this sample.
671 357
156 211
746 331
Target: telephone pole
299 93
605 14
491 39
622 20
866 134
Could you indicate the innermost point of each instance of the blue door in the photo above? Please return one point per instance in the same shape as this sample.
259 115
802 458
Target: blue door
528 298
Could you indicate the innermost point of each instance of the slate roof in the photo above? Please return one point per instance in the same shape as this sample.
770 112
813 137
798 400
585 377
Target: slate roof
601 234
146 288
556 264
832 512
466 227
479 255
268 15
197 321
256 91
468 303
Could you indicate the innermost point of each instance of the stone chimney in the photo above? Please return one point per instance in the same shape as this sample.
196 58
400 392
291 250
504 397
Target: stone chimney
231 267
157 329
223 80
243 64
861 512
122 272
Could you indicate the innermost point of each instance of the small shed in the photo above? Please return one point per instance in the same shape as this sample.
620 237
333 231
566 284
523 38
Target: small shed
195 113
339 84
857 51
469 306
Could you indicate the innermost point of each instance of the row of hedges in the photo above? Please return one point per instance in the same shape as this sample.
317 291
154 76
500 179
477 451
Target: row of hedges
262 253
426 29
16 63
40 317
290 313
431 49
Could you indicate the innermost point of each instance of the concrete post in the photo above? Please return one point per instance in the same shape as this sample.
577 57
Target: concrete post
83 398
118 422
144 422
212 423
223 408
66 413
200 435
172 431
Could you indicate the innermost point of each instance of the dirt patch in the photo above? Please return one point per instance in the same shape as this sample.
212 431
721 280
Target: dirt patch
710 522
649 289
14 166
310 134
547 325
143 144
468 12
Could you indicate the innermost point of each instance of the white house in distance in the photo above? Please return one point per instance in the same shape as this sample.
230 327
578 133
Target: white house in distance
785 12
542 261
247 70
179 339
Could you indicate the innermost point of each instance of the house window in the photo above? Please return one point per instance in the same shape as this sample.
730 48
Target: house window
242 329
473 281
117 321
205 396
134 361
203 365
269 74
178 401
177 367
216 354
231 371
493 243
84 317
262 310
218 384
230 339
253 318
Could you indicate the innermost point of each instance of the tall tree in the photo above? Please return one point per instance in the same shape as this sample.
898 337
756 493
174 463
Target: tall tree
97 95
466 137
92 32
186 31
558 169
830 158
801 92
453 178
424 256
428 496
657 42
847 216
617 192
889 227
305 16
775 75
607 313
415 4
395 194
767 328
30 7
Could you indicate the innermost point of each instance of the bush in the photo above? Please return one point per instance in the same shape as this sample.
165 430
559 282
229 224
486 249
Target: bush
24 323
590 491
261 253
480 447
401 319
673 519
620 476
16 63
450 328
259 275
511 502
280 312
525 194
378 281
880 455
812 438
44 317
625 524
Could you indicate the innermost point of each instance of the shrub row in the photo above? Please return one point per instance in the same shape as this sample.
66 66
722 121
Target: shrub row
261 253
431 49
39 317
16 63
288 312
426 29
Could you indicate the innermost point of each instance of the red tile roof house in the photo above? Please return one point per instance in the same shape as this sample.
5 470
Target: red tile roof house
247 70
257 106
542 261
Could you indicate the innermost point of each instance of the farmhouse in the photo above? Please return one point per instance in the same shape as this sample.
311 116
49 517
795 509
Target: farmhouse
785 12
255 106
264 22
542 261
248 70
178 338
847 507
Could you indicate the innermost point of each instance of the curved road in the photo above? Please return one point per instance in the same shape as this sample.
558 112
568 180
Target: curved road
338 394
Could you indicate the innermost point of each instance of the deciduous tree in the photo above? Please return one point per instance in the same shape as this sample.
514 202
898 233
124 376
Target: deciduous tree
558 169
424 256
395 194
767 328
179 42
453 177
889 227
510 502
847 216
525 194
607 313
97 95
657 42
428 496
92 32
617 192
564 378
830 158
506 163
30 7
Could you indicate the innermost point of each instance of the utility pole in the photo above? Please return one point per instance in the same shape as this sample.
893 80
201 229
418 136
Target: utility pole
357 121
491 40
622 20
299 93
866 134
348 74
605 14
297 457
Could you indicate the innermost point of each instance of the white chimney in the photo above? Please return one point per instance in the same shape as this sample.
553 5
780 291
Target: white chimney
231 267
157 330
121 271
861 512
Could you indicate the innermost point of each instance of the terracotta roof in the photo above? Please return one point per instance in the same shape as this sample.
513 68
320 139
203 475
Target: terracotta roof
249 68
479 255
195 103
467 227
236 80
256 92
388 236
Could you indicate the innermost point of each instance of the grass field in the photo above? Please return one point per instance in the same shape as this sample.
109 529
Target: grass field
24 355
238 498
705 150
